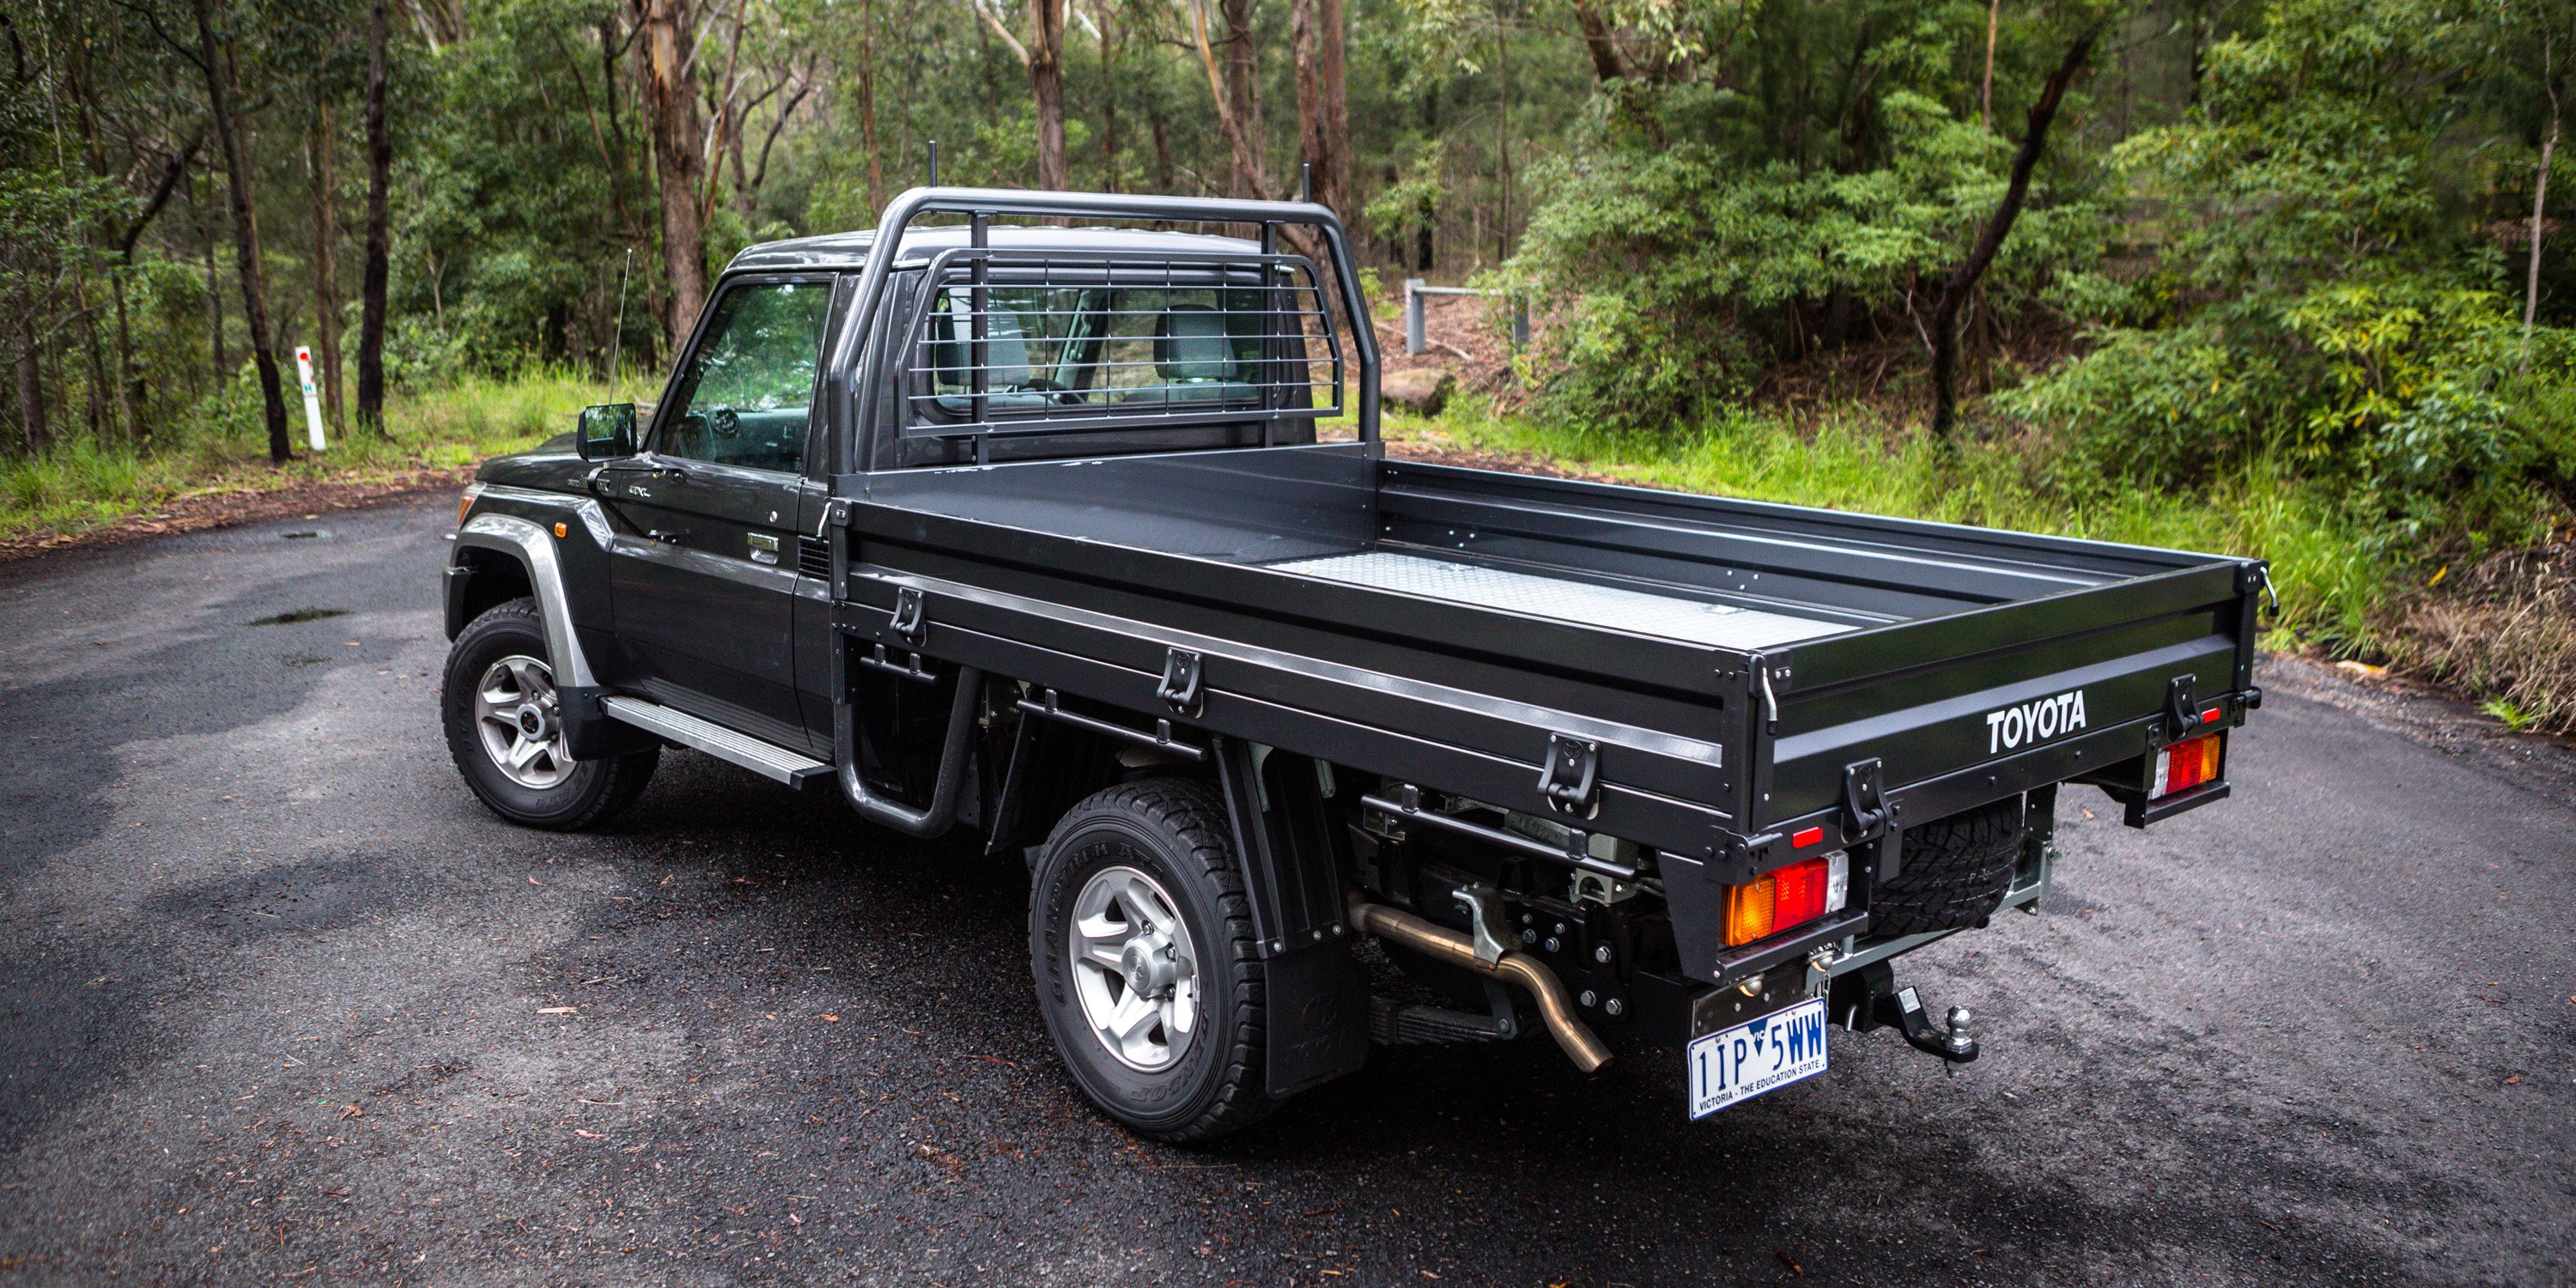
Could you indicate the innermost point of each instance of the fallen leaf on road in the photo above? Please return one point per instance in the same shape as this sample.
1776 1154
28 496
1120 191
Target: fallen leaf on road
2512 1080
535 882
556 1010
994 1059
829 1018
2363 670
352 1111
587 1135
1791 1263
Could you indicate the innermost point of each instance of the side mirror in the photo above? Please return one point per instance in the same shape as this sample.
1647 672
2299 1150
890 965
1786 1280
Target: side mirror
607 431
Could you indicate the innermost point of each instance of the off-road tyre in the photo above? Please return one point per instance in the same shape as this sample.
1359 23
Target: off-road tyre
1173 830
1952 873
590 794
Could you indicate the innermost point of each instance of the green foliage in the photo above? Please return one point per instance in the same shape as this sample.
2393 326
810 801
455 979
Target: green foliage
1702 233
2317 297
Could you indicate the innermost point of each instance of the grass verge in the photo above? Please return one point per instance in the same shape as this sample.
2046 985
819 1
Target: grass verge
84 485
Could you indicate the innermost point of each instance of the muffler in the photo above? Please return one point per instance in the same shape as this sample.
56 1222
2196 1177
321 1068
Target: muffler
1512 966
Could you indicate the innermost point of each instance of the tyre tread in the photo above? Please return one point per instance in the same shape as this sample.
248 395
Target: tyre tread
1953 873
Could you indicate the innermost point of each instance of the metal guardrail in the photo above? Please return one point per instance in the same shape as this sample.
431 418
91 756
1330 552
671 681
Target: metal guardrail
1415 289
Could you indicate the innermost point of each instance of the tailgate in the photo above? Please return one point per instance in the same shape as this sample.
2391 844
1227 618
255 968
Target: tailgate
1954 711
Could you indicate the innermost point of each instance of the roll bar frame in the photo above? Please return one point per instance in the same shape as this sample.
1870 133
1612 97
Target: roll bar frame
854 397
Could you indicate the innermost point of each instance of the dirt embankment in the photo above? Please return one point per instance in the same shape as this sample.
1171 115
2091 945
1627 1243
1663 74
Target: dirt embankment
2507 629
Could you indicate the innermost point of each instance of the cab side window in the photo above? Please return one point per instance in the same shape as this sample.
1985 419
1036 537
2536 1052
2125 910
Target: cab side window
748 389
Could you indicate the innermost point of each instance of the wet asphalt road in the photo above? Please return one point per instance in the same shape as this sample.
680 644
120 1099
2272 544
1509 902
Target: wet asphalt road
282 1003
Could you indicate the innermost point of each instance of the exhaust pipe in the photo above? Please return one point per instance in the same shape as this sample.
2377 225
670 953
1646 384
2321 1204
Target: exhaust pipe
1516 967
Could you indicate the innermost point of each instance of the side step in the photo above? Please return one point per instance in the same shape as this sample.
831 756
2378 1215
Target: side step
769 760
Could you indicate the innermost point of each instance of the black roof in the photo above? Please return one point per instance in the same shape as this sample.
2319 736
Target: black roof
849 251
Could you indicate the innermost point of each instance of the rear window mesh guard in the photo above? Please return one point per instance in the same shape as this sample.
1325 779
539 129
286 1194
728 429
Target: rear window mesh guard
966 368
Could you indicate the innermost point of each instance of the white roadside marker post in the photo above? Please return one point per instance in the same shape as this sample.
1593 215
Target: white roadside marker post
312 396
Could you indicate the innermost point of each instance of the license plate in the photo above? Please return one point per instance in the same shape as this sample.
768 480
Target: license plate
1756 1056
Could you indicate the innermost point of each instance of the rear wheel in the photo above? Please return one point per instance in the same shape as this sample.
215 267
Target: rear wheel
505 729
1140 939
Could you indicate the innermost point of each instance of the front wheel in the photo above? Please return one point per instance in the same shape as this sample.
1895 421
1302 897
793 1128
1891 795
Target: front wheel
505 729
1141 941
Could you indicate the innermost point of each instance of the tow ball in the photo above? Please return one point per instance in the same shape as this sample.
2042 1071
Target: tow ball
1868 998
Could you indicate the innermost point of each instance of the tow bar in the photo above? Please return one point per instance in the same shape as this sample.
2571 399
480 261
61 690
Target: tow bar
1868 998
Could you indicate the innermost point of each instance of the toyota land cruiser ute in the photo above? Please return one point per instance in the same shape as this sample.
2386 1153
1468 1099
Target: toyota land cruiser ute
1026 516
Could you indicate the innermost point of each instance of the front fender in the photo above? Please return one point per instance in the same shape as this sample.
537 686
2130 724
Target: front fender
534 547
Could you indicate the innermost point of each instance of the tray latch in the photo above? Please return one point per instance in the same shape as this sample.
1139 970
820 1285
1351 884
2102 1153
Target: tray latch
1864 801
2182 706
1181 690
1571 778
906 621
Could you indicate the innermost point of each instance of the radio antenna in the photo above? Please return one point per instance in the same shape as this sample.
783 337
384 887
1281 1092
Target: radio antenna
617 338
934 163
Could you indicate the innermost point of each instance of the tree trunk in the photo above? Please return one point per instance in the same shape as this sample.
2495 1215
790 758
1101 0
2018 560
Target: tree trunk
32 424
1963 280
2539 209
1166 178
1599 42
1046 84
1240 136
1427 220
1986 91
868 106
664 46
129 382
272 393
374 277
1243 96
326 275
1108 97
1323 101
222 370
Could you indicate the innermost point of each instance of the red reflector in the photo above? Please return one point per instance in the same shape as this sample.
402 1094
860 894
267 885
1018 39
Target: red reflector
2212 716
1806 838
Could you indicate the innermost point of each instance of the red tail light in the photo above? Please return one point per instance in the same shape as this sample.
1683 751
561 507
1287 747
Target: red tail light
2186 764
1785 897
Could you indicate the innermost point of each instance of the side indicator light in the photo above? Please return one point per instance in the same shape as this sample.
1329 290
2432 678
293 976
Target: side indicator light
2186 764
561 530
1749 911
1786 897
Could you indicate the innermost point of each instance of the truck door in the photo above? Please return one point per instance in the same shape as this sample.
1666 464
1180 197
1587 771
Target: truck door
704 574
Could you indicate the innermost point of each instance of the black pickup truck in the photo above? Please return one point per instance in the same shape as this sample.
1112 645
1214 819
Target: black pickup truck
1024 516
